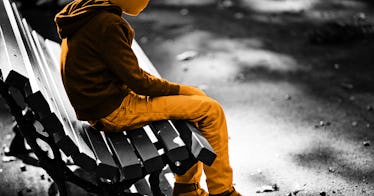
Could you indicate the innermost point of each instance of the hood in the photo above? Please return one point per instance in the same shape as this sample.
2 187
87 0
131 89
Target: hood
77 13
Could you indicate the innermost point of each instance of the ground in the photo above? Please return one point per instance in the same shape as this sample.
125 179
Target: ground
300 114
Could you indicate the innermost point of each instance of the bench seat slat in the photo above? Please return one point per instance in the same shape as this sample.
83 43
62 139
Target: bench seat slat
85 158
106 168
19 87
152 161
124 152
38 104
85 161
199 146
65 143
175 148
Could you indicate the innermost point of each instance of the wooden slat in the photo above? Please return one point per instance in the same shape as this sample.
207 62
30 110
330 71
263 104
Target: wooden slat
65 143
54 51
20 82
38 104
23 33
174 146
40 75
152 161
106 168
10 39
19 87
4 57
86 158
142 186
195 141
124 152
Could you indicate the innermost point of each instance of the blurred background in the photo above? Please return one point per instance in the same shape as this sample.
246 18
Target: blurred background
295 78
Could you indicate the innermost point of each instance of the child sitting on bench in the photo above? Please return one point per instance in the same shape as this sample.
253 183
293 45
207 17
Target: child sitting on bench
105 85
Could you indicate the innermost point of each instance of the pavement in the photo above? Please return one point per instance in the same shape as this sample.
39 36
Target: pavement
300 115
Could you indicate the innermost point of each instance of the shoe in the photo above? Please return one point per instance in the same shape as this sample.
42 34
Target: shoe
188 190
231 192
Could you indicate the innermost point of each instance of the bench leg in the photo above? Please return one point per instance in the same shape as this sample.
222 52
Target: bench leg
55 167
17 146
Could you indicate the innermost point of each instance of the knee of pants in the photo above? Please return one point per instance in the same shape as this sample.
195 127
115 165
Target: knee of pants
215 108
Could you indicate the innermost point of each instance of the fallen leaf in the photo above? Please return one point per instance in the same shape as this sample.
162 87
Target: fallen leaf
6 159
188 55
6 149
8 136
268 188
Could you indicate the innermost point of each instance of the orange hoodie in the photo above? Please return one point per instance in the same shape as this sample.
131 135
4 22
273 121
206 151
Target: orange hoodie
98 66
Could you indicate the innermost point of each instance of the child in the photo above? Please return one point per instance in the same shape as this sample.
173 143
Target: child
105 85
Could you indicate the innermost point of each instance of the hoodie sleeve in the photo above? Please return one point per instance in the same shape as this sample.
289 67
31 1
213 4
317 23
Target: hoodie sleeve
121 60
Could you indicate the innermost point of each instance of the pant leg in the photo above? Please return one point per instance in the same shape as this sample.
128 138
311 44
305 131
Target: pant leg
193 175
136 111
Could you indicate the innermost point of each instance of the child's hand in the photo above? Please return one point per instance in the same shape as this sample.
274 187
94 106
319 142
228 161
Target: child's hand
190 90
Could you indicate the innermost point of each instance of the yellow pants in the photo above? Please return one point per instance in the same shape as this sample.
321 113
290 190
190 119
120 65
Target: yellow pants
136 111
